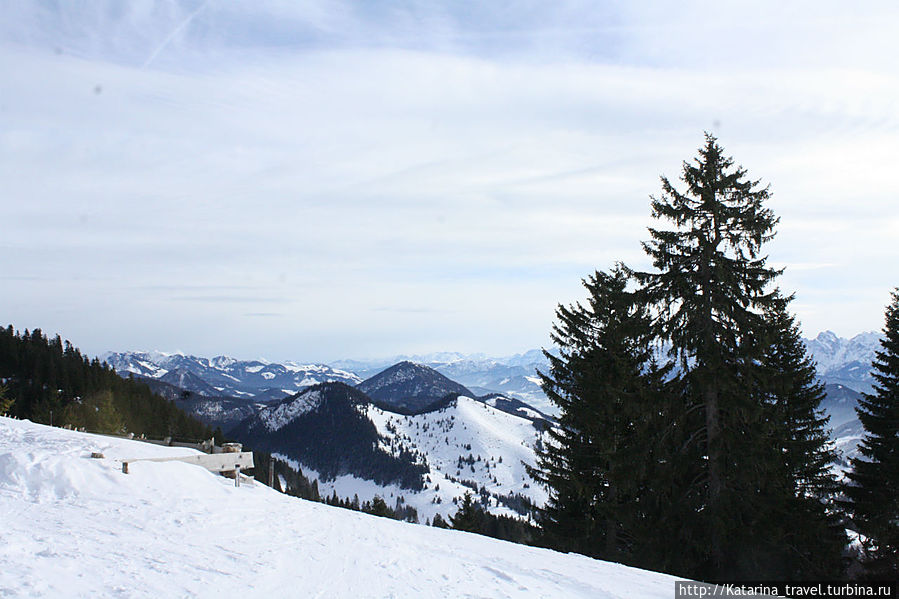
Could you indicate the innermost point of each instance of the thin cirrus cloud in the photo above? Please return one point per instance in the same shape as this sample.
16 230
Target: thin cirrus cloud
429 176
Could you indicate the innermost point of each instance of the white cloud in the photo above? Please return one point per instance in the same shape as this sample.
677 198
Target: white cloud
413 179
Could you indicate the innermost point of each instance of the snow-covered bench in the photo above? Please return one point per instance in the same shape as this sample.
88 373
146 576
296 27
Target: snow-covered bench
215 462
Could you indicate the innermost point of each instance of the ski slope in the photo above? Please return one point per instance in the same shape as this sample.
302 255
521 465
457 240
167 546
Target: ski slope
73 526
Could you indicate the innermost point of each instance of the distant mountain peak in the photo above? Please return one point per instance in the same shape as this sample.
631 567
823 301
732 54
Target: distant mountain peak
221 361
408 366
410 386
872 337
844 361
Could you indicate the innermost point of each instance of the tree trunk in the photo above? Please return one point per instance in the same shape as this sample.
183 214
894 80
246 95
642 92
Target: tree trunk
611 526
716 470
713 444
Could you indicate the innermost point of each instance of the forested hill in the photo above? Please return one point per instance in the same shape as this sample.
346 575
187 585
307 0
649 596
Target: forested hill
50 381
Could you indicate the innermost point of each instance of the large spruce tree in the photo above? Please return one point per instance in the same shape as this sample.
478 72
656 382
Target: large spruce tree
712 289
605 384
755 453
874 490
714 466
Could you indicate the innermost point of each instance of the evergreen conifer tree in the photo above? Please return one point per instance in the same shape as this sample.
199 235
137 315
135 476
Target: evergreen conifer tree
605 383
467 517
712 290
811 545
874 490
713 294
5 402
714 466
439 522
379 507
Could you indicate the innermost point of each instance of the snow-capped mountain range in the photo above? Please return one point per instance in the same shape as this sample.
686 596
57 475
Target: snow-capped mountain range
845 361
224 376
514 376
840 361
406 431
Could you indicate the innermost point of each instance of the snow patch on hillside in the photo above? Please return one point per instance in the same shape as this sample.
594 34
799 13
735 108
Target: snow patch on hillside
276 417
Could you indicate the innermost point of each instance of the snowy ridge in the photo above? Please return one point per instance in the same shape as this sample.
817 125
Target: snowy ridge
139 363
402 375
275 417
524 411
77 527
830 351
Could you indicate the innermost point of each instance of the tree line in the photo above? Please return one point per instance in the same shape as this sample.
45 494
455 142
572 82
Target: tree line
691 438
50 381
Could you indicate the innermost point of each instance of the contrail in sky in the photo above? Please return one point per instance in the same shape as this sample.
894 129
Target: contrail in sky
173 33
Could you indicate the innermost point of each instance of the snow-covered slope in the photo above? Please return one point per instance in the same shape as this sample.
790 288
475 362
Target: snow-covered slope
77 527
467 446
326 428
846 439
840 403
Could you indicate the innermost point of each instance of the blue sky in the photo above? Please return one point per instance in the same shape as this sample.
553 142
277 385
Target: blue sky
320 180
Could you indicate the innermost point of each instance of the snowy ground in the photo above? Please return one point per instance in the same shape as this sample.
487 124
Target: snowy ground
73 526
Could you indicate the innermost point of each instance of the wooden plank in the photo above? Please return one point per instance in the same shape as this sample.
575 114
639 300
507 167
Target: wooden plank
215 462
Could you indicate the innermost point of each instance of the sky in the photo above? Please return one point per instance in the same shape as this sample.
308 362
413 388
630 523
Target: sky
317 180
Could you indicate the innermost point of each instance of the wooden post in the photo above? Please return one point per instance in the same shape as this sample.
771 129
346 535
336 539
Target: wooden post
237 476
271 472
